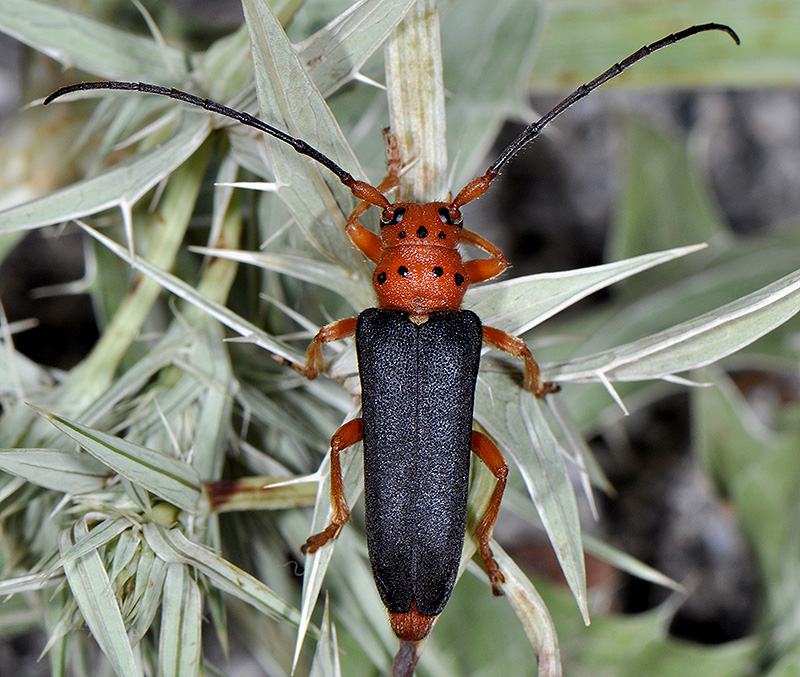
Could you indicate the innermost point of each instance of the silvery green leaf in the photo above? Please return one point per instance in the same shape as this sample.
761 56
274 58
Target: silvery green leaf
171 545
179 648
78 41
349 286
88 581
326 657
289 100
515 419
532 613
166 477
208 353
120 186
55 469
142 606
689 345
519 304
317 563
189 293
335 54
95 539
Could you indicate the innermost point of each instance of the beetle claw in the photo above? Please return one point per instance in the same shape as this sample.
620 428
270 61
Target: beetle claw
544 388
316 541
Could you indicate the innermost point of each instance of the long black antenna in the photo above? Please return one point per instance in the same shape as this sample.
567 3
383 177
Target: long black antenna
365 191
245 118
536 128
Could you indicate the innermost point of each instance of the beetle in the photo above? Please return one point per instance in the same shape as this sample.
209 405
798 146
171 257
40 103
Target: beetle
418 357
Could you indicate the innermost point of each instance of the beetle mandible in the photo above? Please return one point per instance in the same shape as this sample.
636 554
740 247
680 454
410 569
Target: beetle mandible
418 354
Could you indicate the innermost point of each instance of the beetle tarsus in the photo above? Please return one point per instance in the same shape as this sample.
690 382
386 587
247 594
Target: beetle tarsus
335 331
314 362
496 576
544 388
316 541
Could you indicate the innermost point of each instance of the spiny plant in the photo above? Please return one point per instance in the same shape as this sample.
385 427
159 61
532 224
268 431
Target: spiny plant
117 471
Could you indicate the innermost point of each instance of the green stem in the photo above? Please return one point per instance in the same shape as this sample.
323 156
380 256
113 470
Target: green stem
168 225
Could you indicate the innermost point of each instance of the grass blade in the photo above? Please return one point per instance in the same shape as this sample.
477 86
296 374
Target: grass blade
173 546
170 479
698 342
92 590
181 620
519 304
55 469
121 186
78 41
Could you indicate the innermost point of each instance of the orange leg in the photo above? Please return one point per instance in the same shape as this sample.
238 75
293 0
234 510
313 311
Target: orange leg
487 451
365 240
330 332
350 433
515 346
394 163
479 270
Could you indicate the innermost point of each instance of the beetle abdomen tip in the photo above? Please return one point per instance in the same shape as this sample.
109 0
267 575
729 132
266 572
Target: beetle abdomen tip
411 626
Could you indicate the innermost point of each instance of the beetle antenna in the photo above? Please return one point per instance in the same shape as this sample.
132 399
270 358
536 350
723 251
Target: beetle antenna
360 189
536 128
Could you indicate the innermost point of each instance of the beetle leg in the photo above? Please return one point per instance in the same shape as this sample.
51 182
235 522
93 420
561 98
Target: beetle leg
330 332
365 240
350 433
487 451
480 270
394 163
513 345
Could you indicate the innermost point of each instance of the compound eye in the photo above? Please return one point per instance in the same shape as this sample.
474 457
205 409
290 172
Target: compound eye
391 216
451 216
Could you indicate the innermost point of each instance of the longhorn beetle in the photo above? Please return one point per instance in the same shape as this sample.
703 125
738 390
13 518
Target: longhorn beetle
418 355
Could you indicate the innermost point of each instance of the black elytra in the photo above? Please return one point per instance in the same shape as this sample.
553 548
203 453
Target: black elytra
418 389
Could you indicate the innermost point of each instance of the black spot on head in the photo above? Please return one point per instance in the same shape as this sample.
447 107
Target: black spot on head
446 216
422 232
459 279
442 235
401 234
402 271
438 271
381 277
392 216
